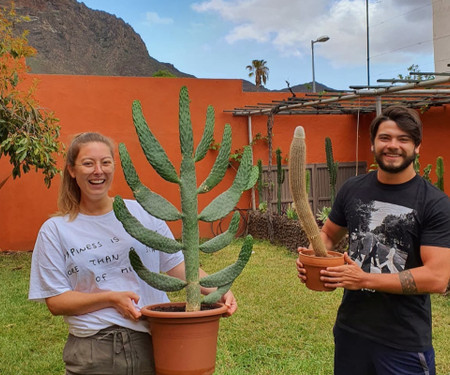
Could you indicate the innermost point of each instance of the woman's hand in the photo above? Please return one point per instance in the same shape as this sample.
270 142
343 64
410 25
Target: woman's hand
229 301
125 304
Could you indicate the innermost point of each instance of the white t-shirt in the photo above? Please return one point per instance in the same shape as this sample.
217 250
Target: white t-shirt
90 254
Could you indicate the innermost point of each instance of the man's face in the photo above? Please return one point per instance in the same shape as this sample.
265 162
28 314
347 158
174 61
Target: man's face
393 148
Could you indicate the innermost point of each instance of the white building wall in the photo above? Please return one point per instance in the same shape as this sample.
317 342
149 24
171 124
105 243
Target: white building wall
441 35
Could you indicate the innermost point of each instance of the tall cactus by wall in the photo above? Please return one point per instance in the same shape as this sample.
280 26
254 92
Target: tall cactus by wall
280 179
440 173
297 182
332 167
159 207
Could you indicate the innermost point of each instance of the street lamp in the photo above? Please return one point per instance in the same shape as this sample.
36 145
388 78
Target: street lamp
320 39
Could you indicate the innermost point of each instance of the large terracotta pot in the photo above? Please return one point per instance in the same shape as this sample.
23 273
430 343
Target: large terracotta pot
314 264
184 343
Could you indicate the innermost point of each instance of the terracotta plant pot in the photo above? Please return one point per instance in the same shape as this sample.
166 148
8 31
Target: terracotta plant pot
313 264
184 343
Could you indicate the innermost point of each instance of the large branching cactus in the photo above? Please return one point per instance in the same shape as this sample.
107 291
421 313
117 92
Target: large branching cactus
297 182
159 207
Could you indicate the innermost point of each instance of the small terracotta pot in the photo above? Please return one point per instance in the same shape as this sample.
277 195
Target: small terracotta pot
184 343
314 264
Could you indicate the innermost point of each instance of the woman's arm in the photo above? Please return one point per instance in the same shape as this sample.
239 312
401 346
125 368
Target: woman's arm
78 303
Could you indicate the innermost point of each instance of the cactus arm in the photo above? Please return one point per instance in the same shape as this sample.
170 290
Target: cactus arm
229 274
220 165
146 236
153 150
297 170
217 294
153 203
254 174
155 280
225 202
208 134
224 239
185 125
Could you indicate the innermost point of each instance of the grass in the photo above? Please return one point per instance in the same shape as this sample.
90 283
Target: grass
279 328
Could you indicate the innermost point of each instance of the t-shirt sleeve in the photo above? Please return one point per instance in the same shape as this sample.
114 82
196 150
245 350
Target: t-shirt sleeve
436 224
47 276
337 214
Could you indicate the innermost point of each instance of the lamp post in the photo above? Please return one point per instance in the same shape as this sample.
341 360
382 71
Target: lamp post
320 39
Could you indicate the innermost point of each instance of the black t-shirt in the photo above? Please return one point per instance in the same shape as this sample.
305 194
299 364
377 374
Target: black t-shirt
387 224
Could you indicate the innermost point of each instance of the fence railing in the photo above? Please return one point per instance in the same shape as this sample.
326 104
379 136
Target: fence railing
319 192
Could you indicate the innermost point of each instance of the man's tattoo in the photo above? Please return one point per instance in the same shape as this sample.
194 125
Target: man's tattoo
407 282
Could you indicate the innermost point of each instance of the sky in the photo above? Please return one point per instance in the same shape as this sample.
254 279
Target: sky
219 38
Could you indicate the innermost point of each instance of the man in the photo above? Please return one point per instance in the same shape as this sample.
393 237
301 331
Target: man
399 253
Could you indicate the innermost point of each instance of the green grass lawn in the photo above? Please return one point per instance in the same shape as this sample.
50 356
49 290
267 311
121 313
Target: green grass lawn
279 328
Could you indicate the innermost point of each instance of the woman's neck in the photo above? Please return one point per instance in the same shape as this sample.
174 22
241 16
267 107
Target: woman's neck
96 208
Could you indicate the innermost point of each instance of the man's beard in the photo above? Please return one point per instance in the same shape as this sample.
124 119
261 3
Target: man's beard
395 168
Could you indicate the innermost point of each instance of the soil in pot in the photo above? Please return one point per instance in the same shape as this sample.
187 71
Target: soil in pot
314 264
184 343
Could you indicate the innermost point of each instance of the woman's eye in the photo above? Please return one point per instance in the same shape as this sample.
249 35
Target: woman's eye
88 164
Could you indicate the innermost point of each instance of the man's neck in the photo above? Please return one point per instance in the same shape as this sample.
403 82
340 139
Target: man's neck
397 178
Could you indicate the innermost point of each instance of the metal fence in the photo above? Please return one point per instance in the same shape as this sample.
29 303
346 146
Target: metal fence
319 192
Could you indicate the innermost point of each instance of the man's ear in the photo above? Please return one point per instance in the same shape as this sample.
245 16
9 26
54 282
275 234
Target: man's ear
371 148
417 148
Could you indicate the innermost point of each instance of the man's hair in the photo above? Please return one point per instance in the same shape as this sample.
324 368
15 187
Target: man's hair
69 191
406 119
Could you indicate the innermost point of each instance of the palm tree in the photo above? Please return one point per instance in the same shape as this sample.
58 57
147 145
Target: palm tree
260 71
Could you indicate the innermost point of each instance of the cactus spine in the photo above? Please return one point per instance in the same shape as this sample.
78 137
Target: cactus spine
159 207
297 181
280 179
332 167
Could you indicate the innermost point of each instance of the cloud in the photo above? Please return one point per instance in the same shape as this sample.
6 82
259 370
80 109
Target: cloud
398 29
152 18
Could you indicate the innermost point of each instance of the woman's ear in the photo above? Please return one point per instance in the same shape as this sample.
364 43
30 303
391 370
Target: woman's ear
71 171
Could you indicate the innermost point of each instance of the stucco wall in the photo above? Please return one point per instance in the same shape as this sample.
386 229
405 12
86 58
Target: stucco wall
90 103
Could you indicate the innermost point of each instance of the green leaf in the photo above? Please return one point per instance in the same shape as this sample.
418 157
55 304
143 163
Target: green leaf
159 281
224 239
208 135
229 274
220 165
153 150
145 236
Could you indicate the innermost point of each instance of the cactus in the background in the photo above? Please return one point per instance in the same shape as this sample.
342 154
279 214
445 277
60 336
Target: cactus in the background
297 182
159 207
332 167
280 179
260 182
440 173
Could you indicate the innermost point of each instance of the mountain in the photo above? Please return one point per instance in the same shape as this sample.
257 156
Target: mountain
71 38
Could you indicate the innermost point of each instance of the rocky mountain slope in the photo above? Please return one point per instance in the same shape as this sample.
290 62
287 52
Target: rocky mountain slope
73 39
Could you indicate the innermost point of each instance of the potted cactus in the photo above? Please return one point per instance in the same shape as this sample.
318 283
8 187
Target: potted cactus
318 258
179 357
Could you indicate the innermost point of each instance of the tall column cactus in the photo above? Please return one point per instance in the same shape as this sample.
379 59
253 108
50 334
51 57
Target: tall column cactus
280 179
332 167
440 173
297 182
159 207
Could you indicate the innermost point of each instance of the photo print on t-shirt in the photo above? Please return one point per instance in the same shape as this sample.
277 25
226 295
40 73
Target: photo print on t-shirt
379 245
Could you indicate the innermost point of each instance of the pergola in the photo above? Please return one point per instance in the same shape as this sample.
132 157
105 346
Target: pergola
416 94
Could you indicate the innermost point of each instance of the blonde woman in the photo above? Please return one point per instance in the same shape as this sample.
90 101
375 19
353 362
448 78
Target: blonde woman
80 268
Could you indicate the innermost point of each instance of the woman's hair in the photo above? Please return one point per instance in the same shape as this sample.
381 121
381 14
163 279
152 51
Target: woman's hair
69 192
406 119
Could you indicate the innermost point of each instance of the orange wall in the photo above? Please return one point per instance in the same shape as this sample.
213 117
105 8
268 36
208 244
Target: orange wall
90 103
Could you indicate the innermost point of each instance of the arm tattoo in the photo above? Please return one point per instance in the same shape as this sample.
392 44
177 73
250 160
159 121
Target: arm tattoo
407 282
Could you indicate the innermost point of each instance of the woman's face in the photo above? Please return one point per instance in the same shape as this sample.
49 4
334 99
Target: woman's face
93 170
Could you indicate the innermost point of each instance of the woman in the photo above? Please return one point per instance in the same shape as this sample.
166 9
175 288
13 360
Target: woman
80 268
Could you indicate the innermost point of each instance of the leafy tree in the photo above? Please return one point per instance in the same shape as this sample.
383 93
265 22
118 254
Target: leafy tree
28 133
258 69
163 73
414 68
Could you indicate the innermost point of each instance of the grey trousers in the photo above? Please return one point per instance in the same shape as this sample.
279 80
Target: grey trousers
112 351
